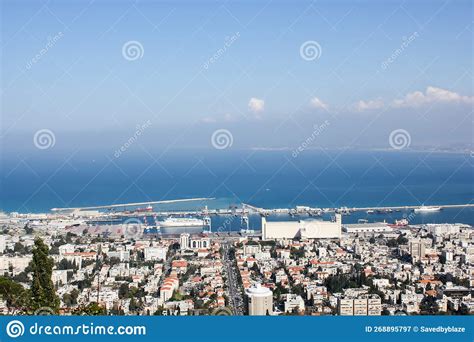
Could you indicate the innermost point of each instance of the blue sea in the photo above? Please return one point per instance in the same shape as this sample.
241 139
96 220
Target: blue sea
270 179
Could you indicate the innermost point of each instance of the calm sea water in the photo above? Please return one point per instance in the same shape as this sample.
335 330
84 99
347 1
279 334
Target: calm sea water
261 178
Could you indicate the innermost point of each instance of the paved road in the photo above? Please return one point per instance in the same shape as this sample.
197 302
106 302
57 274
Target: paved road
235 296
166 267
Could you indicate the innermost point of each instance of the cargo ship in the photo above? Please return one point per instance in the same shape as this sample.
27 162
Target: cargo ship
399 223
144 210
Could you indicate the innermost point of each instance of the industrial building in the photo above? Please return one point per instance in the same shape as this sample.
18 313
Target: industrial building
305 229
375 227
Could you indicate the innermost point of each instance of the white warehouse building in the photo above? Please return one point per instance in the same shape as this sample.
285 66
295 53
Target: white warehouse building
306 229
376 227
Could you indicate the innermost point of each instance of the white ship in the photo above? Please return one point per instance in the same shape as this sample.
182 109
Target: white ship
425 209
56 223
181 222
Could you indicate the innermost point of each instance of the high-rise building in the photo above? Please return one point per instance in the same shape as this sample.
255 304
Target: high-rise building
184 241
417 249
2 244
260 300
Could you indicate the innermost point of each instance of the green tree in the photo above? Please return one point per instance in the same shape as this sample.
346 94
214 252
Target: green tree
65 264
19 248
392 243
402 240
70 299
14 294
123 291
28 230
91 309
21 277
428 306
42 287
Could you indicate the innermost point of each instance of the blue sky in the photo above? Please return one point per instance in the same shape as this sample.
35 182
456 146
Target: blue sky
380 66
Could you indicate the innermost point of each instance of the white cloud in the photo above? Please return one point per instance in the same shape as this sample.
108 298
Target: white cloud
363 106
256 105
318 104
208 120
430 96
226 118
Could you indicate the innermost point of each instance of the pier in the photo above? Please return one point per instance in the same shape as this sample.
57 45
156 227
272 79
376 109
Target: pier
245 209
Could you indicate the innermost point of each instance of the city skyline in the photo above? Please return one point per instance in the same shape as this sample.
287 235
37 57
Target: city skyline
237 158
